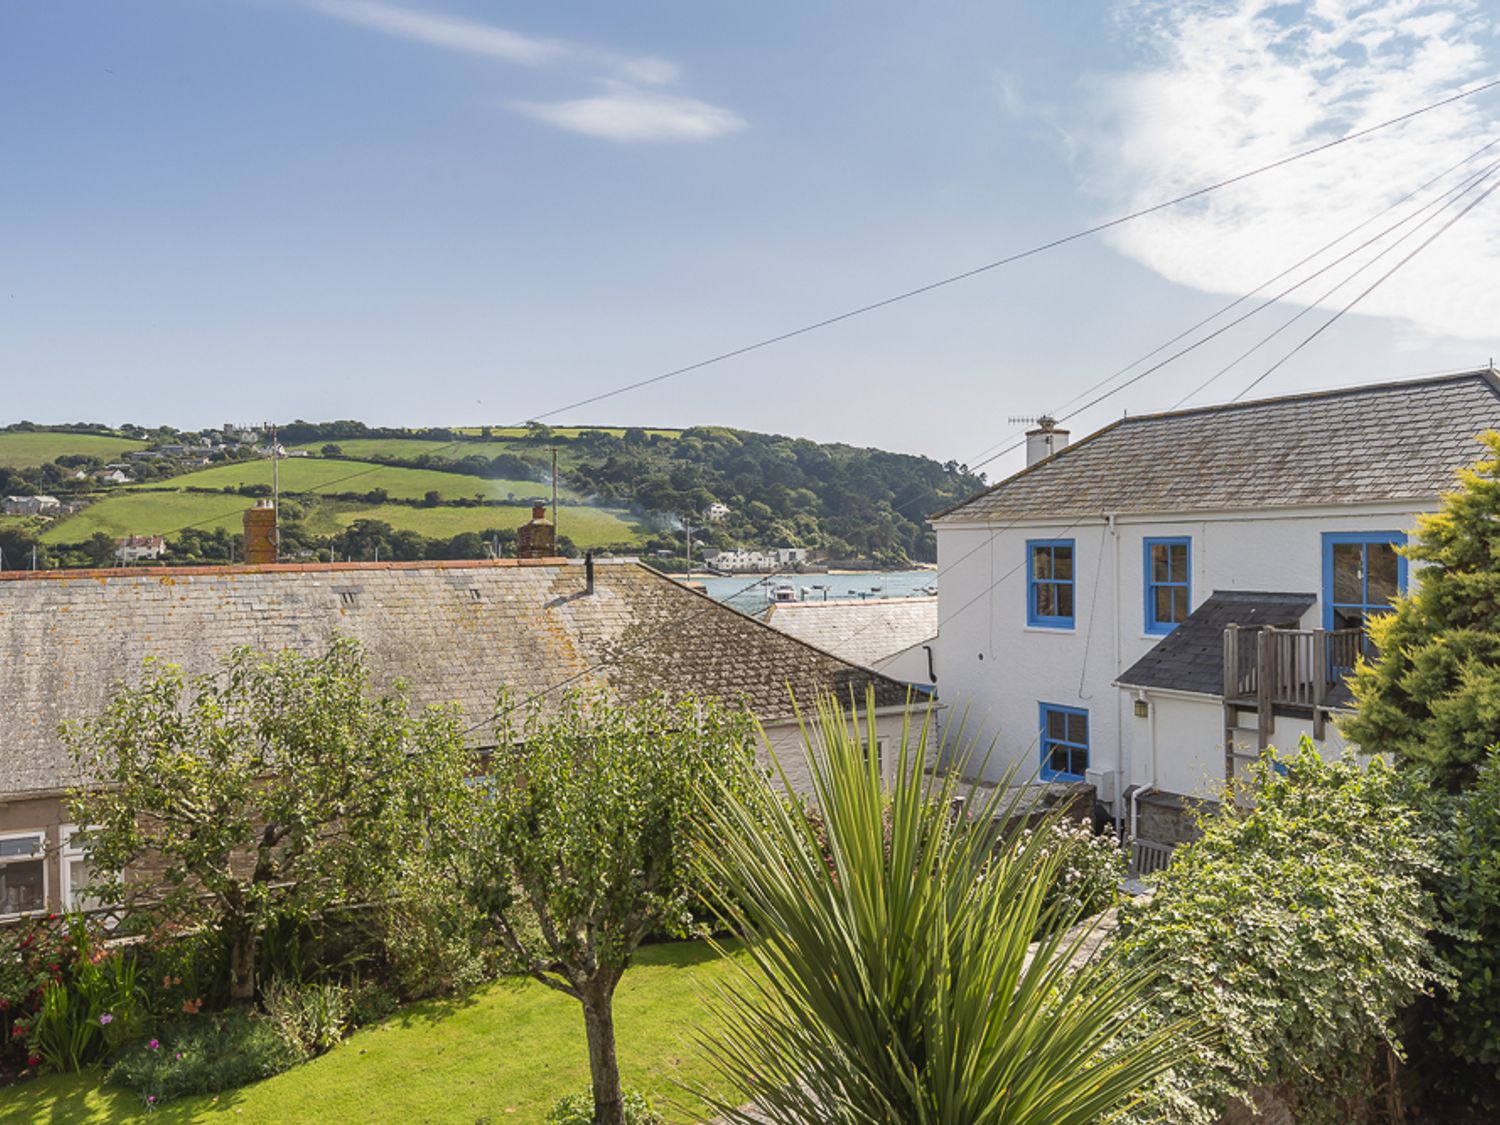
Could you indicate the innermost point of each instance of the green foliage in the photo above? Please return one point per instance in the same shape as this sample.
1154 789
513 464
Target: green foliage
581 831
433 938
313 1016
91 1012
578 1109
1091 871
1296 928
214 1053
1462 1052
898 982
1433 693
279 786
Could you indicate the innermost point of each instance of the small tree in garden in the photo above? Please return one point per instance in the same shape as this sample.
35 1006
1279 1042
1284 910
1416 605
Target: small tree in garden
279 784
576 844
1433 693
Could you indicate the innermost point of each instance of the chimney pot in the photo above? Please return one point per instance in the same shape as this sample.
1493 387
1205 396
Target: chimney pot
1045 440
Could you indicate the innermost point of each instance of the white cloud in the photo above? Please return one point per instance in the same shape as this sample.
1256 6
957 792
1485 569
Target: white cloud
631 109
1232 84
451 32
627 114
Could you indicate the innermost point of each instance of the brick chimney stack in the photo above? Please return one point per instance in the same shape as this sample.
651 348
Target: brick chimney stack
260 533
538 538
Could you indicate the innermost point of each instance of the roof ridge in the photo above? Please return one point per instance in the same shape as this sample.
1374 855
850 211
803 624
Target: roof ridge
272 568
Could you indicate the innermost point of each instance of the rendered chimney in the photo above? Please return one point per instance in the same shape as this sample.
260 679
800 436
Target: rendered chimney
260 534
538 538
1045 440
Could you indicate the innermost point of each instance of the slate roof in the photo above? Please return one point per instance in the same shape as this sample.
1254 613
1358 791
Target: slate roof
457 632
1386 441
1191 656
863 632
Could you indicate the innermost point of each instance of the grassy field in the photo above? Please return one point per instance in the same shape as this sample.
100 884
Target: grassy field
152 512
560 431
22 450
307 474
505 1054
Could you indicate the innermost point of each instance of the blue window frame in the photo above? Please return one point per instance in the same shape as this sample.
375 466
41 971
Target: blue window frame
1065 742
1169 589
1049 583
1361 574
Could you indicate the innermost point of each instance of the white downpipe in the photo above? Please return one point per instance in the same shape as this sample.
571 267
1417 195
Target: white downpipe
1122 762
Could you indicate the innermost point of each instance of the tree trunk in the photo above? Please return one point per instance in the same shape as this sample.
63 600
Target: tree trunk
242 965
599 1022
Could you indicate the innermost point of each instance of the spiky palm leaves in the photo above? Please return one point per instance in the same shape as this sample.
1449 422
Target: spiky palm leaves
892 976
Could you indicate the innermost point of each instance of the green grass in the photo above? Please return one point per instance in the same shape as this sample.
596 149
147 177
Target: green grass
415 447
150 513
24 449
504 1054
153 512
307 474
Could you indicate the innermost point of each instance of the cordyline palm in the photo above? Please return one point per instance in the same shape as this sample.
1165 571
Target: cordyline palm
892 978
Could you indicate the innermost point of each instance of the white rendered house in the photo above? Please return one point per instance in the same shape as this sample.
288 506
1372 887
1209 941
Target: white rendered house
1151 605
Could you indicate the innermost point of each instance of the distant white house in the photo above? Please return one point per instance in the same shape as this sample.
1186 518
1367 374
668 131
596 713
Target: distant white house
1150 606
791 556
740 561
134 548
716 512
32 505
111 476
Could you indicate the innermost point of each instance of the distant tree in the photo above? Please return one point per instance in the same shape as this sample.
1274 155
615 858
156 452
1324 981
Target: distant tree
432 498
1432 694
101 548
585 826
377 496
279 785
332 450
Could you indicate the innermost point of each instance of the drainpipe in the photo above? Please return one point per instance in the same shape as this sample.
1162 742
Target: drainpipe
1122 764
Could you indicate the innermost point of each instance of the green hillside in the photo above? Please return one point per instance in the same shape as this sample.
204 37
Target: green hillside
150 513
23 449
317 475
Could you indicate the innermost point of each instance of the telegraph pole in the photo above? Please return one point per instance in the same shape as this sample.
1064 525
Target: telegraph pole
554 490
276 490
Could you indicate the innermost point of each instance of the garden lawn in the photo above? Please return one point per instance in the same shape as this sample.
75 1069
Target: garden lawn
22 449
504 1054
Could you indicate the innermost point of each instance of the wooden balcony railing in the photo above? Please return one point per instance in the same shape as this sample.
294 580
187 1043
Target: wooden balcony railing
1295 668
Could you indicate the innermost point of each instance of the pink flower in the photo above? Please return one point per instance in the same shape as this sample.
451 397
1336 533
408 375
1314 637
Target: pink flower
106 1019
154 1045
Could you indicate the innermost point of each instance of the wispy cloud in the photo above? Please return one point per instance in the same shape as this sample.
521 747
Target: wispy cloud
1231 84
625 114
451 32
633 106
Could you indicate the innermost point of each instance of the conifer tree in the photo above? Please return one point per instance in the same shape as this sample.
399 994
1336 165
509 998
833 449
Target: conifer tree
1432 694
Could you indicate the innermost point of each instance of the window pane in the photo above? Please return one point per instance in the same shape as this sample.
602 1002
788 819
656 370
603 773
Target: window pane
1046 602
1383 565
1080 762
1179 554
20 846
1078 729
1348 587
1062 562
1179 603
1057 725
1346 618
1041 562
1059 759
1065 601
1161 609
1161 564
21 887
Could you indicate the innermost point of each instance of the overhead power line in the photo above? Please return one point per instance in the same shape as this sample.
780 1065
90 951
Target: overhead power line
1021 254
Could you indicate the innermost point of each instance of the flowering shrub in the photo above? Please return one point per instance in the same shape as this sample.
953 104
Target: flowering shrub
578 1109
1297 929
216 1052
1090 878
313 1016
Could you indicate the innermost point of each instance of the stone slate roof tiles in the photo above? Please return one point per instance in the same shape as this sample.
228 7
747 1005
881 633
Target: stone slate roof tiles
863 632
1191 656
1388 441
456 632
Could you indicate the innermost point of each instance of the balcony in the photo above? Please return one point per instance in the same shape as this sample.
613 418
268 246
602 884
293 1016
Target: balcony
1273 671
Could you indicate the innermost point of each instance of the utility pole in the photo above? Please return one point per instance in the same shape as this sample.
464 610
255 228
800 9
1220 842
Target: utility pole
554 491
276 489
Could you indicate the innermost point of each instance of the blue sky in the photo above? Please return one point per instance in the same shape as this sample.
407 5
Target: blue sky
455 212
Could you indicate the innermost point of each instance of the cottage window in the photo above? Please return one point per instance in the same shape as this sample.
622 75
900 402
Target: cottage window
1049 584
1362 573
1168 583
1065 742
77 873
23 875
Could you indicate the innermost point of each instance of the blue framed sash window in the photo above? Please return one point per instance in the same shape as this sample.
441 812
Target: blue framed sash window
1169 591
1362 573
1049 583
1065 742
